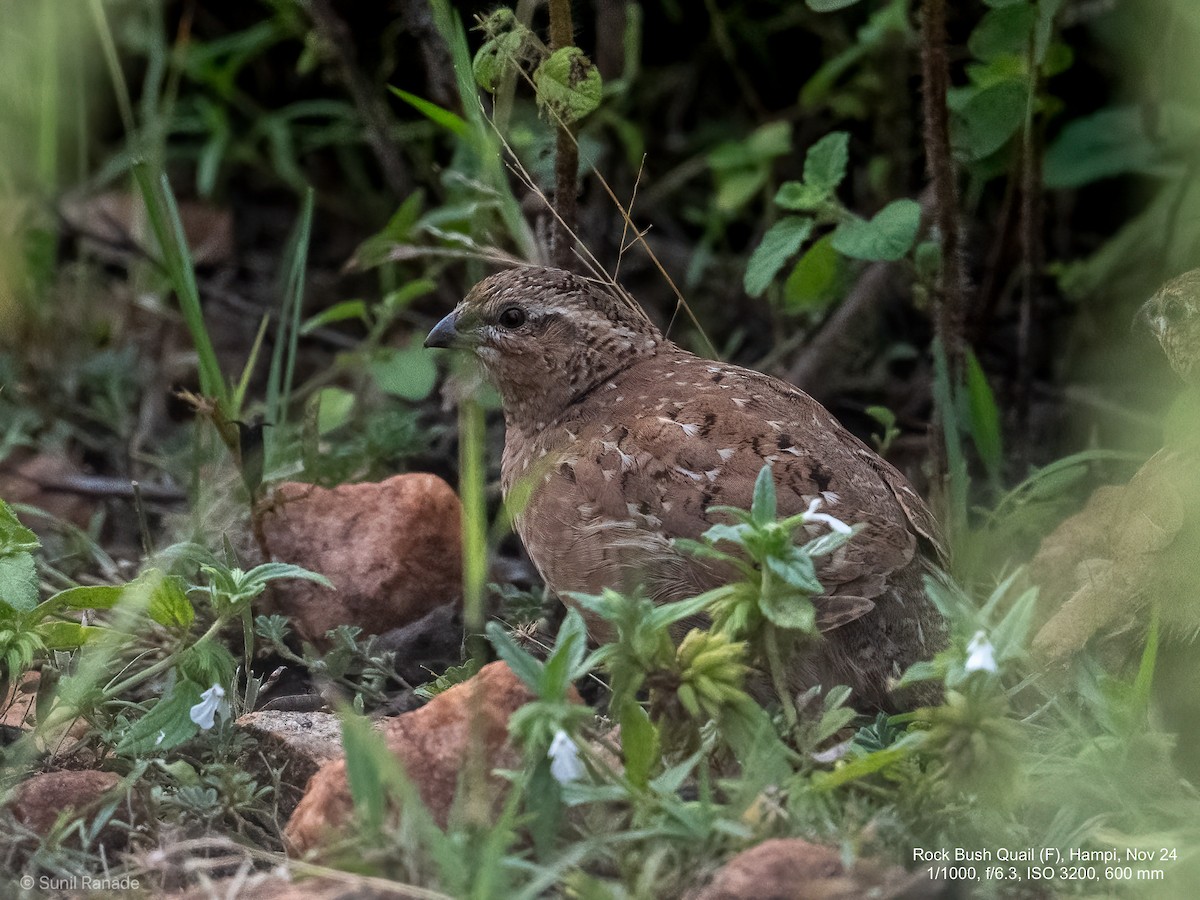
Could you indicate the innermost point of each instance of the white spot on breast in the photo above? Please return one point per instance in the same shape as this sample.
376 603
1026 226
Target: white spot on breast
691 429
626 460
772 458
542 452
739 402
830 497
608 474
712 474
775 426
726 453
687 473
795 451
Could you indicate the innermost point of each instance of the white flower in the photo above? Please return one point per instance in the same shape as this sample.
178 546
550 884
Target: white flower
981 655
211 703
811 515
564 758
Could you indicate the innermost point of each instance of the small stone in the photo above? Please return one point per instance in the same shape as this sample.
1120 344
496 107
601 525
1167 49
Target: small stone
794 869
38 801
432 745
295 744
392 548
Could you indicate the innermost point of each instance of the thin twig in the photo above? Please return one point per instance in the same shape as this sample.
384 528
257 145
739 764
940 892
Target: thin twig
566 156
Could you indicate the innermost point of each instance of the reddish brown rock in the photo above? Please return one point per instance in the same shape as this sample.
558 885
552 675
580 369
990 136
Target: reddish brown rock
19 708
45 480
392 549
431 743
38 801
794 869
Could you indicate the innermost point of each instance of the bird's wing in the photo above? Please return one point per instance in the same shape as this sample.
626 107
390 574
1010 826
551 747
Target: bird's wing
614 496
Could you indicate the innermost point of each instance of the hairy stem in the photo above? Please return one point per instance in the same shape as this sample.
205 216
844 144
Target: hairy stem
566 158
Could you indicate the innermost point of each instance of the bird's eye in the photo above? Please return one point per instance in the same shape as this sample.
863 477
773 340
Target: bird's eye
513 317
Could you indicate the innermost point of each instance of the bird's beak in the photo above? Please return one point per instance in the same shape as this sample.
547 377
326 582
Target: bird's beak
445 335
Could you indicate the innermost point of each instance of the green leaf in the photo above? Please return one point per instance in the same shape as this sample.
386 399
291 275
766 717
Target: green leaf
992 115
1003 31
339 312
334 406
824 6
66 635
817 280
889 235
207 662
524 666
762 506
169 605
639 743
18 581
98 596
1110 142
15 537
789 610
443 117
795 569
985 418
569 84
826 161
166 725
801 197
779 243
410 373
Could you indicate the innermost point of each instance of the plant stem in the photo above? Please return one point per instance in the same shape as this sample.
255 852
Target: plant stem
566 157
778 679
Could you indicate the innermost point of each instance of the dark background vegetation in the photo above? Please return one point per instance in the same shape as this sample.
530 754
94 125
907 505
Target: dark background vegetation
1070 219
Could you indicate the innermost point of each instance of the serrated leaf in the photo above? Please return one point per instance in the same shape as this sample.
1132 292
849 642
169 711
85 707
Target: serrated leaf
169 605
780 242
18 581
826 161
15 537
887 236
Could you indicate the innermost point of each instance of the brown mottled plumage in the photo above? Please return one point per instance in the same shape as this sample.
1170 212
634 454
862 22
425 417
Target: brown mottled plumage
619 441
1135 547
1174 317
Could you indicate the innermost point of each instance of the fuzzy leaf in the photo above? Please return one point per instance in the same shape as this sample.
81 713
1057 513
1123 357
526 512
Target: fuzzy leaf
826 161
569 84
780 242
887 236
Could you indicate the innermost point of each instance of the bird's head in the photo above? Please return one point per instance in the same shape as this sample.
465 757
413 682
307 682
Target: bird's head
546 336
1173 315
